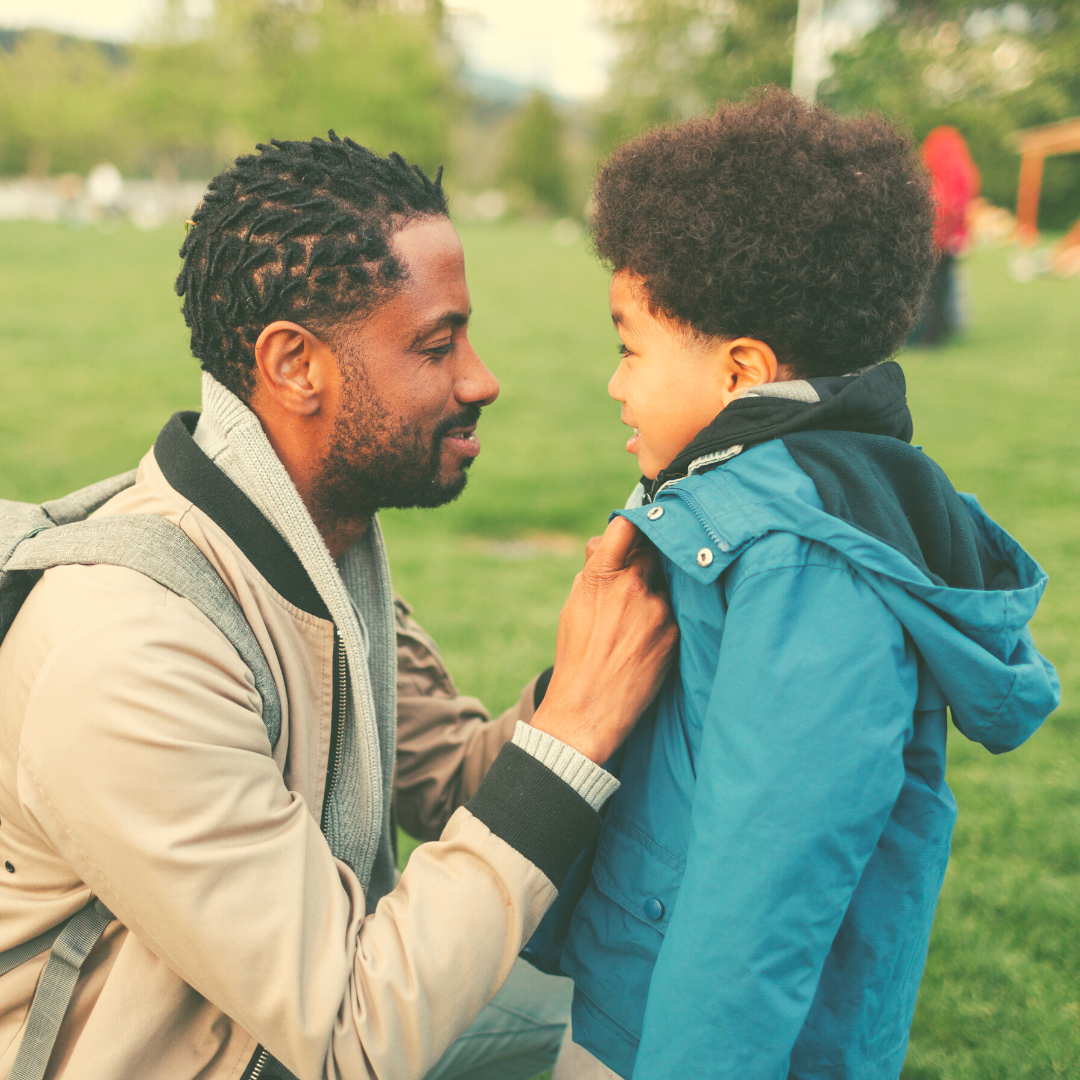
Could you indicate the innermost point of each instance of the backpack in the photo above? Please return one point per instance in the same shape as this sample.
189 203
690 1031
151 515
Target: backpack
60 533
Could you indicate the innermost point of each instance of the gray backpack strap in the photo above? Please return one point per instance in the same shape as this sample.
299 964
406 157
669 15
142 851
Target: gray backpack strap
29 949
82 503
72 946
162 551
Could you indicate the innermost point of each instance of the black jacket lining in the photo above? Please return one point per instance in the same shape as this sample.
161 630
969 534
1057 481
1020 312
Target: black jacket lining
891 490
196 477
535 811
873 402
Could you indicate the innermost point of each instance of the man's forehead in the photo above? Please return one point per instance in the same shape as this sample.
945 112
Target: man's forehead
434 293
434 261
429 244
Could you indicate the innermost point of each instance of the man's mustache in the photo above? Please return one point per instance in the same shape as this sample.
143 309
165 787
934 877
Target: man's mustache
466 418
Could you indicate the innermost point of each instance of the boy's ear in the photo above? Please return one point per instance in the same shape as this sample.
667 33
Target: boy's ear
751 363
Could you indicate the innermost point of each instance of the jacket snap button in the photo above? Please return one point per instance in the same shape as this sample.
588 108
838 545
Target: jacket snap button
704 557
655 512
654 908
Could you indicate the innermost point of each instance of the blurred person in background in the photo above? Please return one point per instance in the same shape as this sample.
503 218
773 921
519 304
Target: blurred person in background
259 928
955 183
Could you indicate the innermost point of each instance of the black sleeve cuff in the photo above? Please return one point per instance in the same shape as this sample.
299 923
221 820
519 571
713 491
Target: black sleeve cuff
536 812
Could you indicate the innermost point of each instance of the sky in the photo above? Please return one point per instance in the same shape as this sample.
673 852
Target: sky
556 44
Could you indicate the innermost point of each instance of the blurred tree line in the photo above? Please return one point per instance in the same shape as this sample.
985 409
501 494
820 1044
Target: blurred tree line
534 165
198 92
987 70
195 93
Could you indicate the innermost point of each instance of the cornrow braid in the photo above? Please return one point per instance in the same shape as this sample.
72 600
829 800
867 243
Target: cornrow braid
299 231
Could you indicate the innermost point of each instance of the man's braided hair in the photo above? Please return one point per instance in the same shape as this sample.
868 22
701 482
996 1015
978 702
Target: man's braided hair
300 231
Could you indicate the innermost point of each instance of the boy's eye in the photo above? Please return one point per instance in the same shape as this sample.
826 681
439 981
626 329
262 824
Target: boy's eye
623 350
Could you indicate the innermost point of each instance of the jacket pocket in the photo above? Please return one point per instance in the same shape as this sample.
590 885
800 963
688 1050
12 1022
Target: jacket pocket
618 926
637 873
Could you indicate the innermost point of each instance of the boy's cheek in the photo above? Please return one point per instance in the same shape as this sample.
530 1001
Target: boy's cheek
649 461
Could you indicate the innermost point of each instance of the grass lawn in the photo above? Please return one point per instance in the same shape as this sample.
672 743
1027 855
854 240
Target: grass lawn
94 360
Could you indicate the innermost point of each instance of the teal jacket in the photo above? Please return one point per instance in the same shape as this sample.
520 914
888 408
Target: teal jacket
759 902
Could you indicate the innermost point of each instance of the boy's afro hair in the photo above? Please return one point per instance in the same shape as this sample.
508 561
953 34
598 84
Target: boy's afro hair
777 221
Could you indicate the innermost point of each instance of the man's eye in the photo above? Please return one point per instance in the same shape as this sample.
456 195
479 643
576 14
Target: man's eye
441 350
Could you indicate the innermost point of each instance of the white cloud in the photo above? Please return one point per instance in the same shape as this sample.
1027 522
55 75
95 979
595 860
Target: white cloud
557 45
112 20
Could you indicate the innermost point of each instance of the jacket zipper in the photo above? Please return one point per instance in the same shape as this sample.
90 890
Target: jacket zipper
337 719
333 767
259 1060
690 501
661 489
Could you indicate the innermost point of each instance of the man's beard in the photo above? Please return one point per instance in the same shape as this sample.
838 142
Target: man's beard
377 461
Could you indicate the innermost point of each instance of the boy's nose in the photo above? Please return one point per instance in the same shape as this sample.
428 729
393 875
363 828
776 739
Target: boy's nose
614 386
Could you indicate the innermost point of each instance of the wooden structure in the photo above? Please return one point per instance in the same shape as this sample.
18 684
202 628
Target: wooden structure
1035 146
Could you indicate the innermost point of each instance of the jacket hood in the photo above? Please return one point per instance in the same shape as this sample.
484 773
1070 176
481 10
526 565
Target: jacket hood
963 588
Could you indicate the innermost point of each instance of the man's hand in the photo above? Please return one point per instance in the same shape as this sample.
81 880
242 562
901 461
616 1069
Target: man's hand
616 643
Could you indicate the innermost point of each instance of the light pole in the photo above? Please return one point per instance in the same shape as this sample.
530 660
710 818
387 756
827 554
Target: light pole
806 65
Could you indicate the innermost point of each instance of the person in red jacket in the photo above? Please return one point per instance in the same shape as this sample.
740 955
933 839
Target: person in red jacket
956 182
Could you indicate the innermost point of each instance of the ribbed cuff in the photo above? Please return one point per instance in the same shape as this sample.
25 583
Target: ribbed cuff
594 784
535 811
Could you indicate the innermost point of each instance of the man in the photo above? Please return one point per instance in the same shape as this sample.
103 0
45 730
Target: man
259 930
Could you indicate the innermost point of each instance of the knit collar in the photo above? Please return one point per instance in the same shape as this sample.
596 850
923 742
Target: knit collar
194 475
240 465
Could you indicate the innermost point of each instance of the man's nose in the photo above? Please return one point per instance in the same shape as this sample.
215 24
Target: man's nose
476 384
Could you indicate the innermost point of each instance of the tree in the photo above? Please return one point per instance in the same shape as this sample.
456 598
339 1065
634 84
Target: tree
677 58
372 74
534 154
988 72
195 95
58 103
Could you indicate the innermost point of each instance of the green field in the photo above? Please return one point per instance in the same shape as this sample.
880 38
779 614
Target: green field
94 360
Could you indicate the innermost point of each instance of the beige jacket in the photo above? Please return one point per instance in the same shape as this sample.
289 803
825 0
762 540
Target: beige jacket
134 766
446 743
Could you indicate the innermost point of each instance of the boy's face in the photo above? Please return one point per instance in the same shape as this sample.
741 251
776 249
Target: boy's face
671 383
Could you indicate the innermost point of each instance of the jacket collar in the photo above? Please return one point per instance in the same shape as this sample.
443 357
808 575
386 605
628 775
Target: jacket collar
872 401
190 472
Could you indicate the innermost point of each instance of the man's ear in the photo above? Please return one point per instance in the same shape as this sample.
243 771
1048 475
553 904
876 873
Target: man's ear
750 363
295 367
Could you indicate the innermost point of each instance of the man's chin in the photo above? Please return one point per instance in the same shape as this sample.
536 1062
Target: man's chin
445 488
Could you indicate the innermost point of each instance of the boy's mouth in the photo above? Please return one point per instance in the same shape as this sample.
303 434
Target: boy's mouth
633 444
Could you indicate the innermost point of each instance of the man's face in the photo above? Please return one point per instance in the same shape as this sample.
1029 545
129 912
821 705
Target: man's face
412 388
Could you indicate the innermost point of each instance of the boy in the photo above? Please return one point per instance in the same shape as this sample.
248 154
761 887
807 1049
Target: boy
759 902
